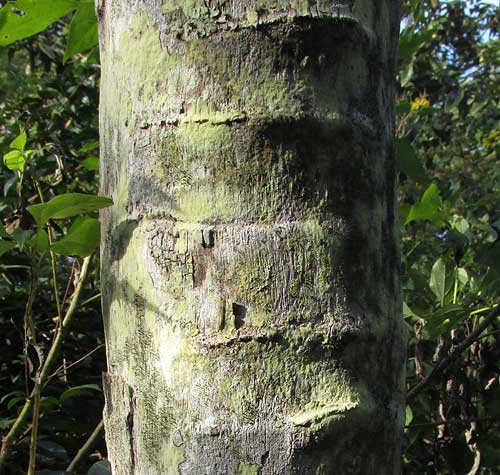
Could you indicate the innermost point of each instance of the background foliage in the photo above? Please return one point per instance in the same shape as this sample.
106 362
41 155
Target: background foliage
448 140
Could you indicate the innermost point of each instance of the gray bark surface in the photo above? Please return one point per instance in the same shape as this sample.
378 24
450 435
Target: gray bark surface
250 266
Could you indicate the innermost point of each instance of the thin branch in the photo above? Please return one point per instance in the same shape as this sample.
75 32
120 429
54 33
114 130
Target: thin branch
16 428
459 349
86 447
452 421
34 428
83 358
91 299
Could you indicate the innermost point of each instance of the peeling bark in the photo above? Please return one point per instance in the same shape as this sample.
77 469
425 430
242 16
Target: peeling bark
250 266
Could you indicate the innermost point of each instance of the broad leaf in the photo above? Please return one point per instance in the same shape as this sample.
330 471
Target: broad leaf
437 281
4 233
20 141
409 415
91 163
5 423
40 241
82 32
89 147
14 160
445 319
82 238
77 391
6 246
23 18
102 467
429 208
409 163
66 206
410 42
22 236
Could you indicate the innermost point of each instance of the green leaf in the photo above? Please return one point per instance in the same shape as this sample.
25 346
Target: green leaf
102 467
409 163
82 32
9 395
66 206
14 160
408 312
437 281
40 241
49 401
463 277
409 416
6 246
77 391
406 74
4 233
16 400
410 42
24 18
82 238
89 147
445 319
22 236
403 107
20 141
91 163
429 208
5 423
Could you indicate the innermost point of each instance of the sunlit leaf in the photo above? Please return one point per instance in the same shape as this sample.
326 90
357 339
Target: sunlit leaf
19 143
82 32
24 18
14 160
89 147
437 281
91 163
409 415
82 239
66 206
429 208
445 319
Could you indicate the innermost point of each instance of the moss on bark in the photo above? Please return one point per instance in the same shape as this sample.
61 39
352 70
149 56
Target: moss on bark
250 287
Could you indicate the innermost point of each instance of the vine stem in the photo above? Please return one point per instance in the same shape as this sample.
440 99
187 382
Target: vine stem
52 261
459 349
9 438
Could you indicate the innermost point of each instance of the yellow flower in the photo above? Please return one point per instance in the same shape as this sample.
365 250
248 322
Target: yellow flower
492 139
420 103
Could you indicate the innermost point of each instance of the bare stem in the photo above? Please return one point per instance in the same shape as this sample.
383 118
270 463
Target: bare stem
9 438
86 447
34 428
459 349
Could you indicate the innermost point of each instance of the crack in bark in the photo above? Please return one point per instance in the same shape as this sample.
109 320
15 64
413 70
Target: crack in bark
131 429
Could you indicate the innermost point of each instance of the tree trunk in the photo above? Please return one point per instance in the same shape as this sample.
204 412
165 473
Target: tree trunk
250 262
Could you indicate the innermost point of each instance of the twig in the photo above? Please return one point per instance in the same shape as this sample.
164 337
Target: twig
86 447
453 421
459 349
9 438
34 428
91 299
84 357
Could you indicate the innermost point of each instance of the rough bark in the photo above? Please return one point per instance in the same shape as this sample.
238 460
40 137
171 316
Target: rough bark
250 264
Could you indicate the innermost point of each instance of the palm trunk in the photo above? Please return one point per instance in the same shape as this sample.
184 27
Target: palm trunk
250 262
